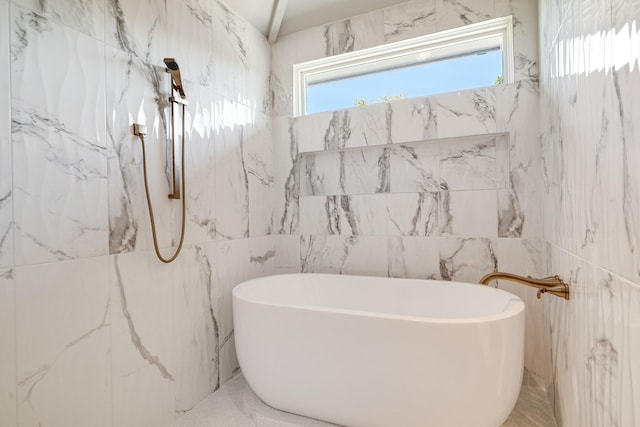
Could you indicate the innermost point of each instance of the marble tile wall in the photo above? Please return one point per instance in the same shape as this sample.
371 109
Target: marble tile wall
445 186
94 329
589 78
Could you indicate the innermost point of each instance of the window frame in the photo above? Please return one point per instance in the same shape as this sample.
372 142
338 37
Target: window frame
444 44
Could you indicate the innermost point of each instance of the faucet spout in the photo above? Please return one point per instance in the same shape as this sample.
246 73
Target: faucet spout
553 284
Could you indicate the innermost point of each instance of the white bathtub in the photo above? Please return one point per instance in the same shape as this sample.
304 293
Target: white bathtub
367 351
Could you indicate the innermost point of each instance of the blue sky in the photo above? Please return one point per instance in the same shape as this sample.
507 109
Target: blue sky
418 80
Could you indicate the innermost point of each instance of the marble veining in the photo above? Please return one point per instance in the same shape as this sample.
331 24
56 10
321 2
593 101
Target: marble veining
414 257
467 259
344 255
8 405
410 19
133 82
413 214
475 114
414 119
84 16
352 34
453 13
72 204
236 404
232 180
135 337
44 305
73 173
461 179
6 166
359 172
339 38
287 177
143 368
590 198
197 341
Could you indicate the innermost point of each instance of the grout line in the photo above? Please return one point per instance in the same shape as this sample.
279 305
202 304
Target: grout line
618 276
9 10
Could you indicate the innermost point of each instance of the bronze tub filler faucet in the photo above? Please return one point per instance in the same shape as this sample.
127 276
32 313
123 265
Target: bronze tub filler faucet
552 285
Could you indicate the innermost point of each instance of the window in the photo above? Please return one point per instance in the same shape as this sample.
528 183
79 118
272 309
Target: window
475 55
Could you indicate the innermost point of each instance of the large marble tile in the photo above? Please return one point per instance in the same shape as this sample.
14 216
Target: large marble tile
6 187
467 259
287 180
143 368
200 167
190 41
359 171
455 13
627 259
63 348
258 72
359 255
139 93
410 19
412 214
232 181
258 156
262 257
58 141
469 112
237 405
414 257
353 34
527 257
232 259
70 94
477 163
230 52
318 130
196 340
138 28
287 259
525 36
60 190
8 400
520 203
355 127
414 168
468 213
598 359
87 17
412 119
343 215
6 205
283 55
533 409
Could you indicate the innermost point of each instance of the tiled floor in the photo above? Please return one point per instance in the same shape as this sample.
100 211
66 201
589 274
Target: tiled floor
235 405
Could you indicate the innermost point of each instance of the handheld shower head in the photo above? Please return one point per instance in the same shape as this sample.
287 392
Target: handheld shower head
174 70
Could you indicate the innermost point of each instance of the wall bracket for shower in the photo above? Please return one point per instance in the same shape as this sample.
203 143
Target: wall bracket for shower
177 97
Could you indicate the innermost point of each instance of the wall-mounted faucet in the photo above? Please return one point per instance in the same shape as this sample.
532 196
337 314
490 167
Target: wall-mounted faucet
553 284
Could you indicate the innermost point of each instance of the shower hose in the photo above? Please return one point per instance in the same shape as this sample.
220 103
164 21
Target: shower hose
184 196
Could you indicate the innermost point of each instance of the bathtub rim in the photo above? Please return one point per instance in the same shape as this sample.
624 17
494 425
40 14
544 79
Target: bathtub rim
515 305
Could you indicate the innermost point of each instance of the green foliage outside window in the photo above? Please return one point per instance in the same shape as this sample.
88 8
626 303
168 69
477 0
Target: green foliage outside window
384 98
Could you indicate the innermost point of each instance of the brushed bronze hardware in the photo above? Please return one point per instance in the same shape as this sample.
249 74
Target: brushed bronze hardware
178 177
553 284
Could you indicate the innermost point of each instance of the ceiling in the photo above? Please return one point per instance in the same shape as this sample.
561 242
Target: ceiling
280 17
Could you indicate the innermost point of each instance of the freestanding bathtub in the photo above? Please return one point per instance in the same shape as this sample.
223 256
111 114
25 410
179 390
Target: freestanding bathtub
369 352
